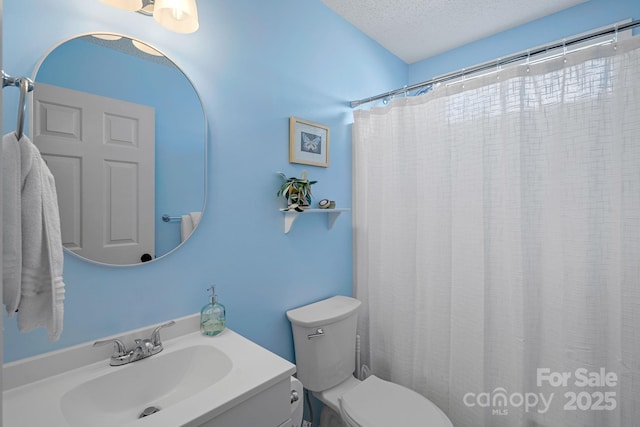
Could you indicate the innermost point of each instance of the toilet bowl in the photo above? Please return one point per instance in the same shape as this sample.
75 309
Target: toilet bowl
376 403
324 335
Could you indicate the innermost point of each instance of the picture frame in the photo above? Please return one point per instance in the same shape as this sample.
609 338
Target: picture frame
308 142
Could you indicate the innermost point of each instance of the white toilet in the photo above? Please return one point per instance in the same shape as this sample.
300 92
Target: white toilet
324 336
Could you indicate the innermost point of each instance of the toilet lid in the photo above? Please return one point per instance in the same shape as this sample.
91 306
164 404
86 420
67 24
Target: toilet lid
378 403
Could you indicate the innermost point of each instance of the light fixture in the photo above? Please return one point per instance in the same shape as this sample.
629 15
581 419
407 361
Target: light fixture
180 16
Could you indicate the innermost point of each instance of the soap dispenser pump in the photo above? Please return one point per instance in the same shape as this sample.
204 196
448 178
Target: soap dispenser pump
212 316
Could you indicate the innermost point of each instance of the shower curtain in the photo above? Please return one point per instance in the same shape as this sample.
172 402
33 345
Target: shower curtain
497 242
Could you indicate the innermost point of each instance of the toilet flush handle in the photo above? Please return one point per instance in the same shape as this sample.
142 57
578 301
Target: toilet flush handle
318 333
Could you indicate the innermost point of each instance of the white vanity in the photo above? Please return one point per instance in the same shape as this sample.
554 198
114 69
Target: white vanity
222 381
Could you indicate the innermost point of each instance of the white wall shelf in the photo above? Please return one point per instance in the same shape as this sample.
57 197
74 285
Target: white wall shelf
291 216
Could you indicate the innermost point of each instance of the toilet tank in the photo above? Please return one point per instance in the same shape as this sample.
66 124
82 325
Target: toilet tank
324 337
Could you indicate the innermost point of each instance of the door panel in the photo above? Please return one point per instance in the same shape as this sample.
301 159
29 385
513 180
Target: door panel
109 215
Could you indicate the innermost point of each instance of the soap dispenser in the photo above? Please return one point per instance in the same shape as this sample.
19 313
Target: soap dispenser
212 316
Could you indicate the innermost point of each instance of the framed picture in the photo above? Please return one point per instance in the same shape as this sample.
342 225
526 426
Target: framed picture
308 143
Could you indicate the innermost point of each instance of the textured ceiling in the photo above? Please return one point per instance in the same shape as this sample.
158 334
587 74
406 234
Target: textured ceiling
417 29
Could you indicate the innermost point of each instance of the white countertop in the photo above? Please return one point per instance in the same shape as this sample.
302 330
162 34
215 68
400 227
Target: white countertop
34 387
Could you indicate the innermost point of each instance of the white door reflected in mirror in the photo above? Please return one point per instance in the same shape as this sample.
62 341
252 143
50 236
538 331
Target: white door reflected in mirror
102 153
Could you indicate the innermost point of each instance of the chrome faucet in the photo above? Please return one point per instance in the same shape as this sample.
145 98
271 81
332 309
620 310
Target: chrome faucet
143 347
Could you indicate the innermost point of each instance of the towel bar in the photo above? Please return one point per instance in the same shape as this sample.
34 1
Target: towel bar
26 85
168 218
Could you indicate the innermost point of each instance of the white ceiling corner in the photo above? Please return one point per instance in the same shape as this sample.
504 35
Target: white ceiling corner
414 30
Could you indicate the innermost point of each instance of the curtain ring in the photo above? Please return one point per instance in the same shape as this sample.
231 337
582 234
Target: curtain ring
615 38
564 50
528 60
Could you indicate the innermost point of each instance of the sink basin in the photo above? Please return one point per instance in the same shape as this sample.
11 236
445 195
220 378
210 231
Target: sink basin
160 381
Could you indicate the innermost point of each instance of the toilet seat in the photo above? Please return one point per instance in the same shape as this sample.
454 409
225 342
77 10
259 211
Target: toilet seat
378 403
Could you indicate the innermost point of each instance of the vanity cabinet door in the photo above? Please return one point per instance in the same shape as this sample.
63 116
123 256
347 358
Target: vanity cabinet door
270 408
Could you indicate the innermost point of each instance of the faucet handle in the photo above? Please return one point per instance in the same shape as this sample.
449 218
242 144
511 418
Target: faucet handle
119 348
145 347
155 335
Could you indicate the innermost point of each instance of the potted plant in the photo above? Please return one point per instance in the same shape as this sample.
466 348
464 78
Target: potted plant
297 191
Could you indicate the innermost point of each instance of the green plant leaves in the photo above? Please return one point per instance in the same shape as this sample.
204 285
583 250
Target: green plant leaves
296 190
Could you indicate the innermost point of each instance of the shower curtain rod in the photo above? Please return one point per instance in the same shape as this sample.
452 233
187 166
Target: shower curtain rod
614 29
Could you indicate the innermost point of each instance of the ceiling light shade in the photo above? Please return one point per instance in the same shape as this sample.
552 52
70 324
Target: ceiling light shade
130 5
180 16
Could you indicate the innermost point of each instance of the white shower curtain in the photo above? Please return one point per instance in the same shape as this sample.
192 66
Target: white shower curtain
497 243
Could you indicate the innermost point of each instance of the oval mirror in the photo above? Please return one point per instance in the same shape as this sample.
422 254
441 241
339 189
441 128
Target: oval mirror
124 133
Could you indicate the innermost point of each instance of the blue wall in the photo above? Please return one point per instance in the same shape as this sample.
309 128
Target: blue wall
255 64
180 131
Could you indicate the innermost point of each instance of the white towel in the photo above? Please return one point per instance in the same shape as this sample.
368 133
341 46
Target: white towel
41 288
188 223
12 222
